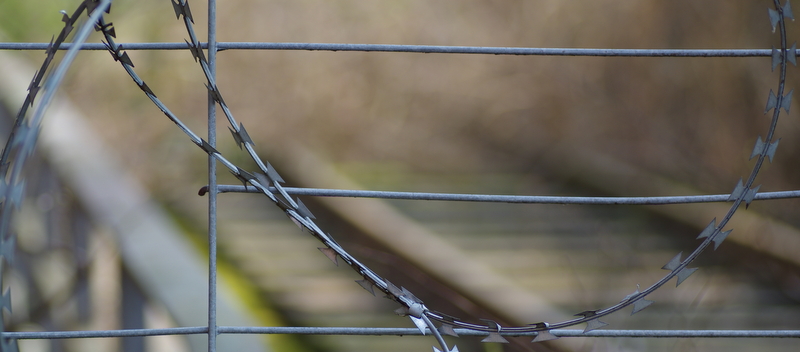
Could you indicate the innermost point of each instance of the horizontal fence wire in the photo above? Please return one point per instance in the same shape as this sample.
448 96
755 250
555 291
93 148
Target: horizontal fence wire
363 331
429 49
498 198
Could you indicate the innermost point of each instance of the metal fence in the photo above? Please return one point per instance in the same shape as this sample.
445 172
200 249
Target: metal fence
268 182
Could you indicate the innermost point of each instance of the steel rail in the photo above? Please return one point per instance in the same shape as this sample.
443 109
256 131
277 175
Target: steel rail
429 49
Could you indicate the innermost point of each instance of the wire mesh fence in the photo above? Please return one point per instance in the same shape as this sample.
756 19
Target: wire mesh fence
268 182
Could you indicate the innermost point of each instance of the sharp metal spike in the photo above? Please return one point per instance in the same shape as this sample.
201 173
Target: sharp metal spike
591 324
737 192
7 249
393 289
543 335
243 175
720 237
708 230
330 253
758 148
123 57
5 300
586 313
640 304
410 295
244 136
787 11
776 57
107 28
296 222
274 174
182 9
147 89
772 101
683 274
495 337
303 210
750 195
187 12
673 263
215 94
262 179
420 323
208 148
771 150
67 23
196 51
366 285
594 324
50 51
447 329
786 103
111 31
90 5
33 88
774 17
177 7
791 54
236 137
455 349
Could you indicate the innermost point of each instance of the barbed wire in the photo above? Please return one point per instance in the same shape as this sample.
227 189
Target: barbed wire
22 139
269 182
426 49
412 306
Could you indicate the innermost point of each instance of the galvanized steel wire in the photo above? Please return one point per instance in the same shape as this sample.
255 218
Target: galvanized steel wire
426 49
501 198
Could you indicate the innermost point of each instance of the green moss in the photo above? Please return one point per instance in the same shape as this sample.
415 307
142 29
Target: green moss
246 292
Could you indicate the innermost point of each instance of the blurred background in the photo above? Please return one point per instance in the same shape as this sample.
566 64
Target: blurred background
440 123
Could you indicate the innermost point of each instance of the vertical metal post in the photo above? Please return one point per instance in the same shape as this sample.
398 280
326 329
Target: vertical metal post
212 183
133 302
